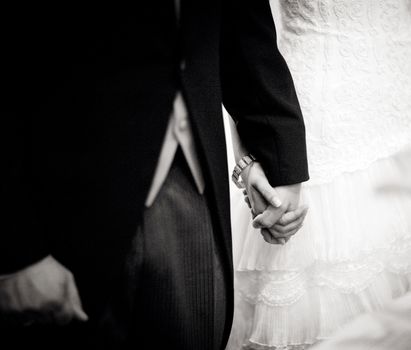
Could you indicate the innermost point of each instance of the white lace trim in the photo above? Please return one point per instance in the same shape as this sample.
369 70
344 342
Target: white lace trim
285 287
250 345
304 323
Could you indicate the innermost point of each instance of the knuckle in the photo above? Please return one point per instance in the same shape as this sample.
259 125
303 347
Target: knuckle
268 223
283 221
280 229
275 227
282 207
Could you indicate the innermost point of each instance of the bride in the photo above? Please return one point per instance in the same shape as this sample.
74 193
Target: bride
351 64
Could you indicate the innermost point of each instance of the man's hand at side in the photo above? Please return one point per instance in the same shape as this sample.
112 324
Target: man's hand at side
41 293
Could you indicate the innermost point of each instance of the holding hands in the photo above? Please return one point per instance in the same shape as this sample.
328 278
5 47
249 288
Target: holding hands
276 211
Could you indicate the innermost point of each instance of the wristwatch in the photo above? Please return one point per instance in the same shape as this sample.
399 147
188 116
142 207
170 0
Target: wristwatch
238 169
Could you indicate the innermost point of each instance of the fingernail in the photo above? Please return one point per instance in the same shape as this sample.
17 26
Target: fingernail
276 202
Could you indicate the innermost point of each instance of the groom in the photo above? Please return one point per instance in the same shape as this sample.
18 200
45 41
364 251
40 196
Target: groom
117 168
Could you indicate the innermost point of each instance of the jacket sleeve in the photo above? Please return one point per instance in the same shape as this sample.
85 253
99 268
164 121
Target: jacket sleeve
22 237
22 233
259 93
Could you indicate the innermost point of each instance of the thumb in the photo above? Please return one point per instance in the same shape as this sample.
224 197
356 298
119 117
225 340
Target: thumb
78 312
268 192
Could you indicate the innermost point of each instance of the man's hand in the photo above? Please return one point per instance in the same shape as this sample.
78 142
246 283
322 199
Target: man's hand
290 223
275 210
42 293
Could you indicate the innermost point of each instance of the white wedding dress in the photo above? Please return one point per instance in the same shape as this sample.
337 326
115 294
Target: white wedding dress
351 64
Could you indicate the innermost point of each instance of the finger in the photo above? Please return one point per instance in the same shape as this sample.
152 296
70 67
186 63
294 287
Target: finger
75 302
290 227
64 315
293 216
80 314
287 235
50 313
268 237
268 192
258 203
61 310
269 217
280 231
253 213
292 233
9 297
247 200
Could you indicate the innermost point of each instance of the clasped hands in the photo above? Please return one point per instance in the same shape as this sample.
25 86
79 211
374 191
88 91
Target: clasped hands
276 211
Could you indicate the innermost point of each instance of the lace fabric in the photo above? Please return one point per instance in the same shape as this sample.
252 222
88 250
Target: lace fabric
351 64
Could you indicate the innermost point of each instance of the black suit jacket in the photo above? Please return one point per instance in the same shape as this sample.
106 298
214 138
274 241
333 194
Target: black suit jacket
88 97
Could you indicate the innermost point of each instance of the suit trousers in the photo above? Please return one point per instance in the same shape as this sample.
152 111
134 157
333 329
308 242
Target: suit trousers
175 267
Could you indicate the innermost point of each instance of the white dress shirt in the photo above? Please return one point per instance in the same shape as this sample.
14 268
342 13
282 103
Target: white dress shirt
178 133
